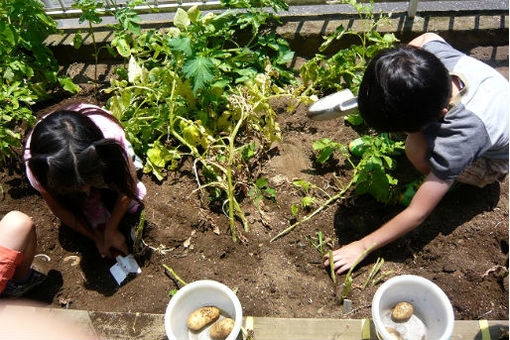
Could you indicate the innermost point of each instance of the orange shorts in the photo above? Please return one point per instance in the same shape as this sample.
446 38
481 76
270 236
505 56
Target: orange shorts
9 260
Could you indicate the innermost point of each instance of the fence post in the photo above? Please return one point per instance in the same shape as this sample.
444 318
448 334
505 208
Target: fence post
62 5
413 6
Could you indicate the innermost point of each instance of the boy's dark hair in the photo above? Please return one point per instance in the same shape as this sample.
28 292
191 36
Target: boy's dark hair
404 89
68 151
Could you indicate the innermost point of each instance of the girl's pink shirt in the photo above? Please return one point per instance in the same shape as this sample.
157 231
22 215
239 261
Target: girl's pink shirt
109 129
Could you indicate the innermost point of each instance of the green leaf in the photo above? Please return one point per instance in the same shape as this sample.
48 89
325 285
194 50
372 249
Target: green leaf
77 41
389 161
200 70
182 44
294 209
134 70
194 14
248 151
261 182
181 19
307 201
68 85
324 155
302 184
270 192
7 34
354 119
122 47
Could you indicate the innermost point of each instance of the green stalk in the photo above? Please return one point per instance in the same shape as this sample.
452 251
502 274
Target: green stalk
171 271
318 210
174 133
96 57
233 205
332 267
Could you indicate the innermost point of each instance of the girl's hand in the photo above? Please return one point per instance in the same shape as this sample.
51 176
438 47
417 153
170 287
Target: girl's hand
100 244
345 257
114 239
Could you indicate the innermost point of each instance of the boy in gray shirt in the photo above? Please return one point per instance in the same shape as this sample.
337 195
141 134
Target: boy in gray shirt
455 112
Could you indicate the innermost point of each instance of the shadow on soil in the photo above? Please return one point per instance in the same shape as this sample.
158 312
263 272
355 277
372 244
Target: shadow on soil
95 268
456 208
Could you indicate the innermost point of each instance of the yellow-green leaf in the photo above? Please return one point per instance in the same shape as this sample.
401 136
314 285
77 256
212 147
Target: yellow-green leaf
181 19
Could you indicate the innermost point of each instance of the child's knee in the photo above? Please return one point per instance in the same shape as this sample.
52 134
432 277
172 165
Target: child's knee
17 223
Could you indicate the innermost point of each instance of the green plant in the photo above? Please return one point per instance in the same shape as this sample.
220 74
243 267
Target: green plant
259 191
347 284
323 205
27 66
15 101
128 23
372 175
369 175
195 91
320 245
375 269
308 200
345 68
171 272
90 13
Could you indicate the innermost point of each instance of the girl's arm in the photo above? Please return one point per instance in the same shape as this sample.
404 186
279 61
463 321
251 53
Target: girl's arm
112 237
423 203
72 221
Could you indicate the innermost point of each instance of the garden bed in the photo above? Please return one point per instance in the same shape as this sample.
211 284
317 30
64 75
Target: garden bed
461 246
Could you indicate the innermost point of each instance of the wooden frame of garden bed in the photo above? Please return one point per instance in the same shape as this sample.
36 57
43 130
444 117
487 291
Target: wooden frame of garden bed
124 326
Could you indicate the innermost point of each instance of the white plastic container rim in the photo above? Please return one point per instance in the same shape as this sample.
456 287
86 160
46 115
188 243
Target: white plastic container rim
199 294
441 301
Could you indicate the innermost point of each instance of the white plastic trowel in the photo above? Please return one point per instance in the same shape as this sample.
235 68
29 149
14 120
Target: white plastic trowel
125 265
333 106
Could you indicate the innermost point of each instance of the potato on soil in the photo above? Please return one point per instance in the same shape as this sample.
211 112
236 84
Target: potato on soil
201 317
221 329
402 311
395 335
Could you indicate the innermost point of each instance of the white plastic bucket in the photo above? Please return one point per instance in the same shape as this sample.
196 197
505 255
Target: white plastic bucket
199 294
431 305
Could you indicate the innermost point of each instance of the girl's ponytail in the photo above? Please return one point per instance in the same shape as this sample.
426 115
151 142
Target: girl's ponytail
114 163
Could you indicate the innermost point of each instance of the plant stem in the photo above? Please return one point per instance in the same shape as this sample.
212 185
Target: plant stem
232 202
139 232
318 210
174 275
332 267
96 57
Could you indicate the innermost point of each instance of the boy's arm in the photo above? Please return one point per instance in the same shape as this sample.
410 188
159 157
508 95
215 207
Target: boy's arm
424 201
424 38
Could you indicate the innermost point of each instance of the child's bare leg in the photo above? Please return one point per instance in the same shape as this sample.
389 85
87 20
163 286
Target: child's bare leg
17 232
416 150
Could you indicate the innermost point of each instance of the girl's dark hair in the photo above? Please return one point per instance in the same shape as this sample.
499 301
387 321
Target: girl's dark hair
404 89
69 151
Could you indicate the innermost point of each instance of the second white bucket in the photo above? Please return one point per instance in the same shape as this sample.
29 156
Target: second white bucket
431 306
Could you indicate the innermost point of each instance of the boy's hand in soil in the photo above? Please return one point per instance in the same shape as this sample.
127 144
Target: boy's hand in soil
423 203
346 256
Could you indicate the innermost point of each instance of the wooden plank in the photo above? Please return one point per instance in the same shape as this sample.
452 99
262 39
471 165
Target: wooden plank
350 329
310 329
470 329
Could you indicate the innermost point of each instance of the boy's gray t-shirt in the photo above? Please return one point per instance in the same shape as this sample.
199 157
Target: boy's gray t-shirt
478 126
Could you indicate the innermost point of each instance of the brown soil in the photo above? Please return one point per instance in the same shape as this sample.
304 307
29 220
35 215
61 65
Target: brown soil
461 246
